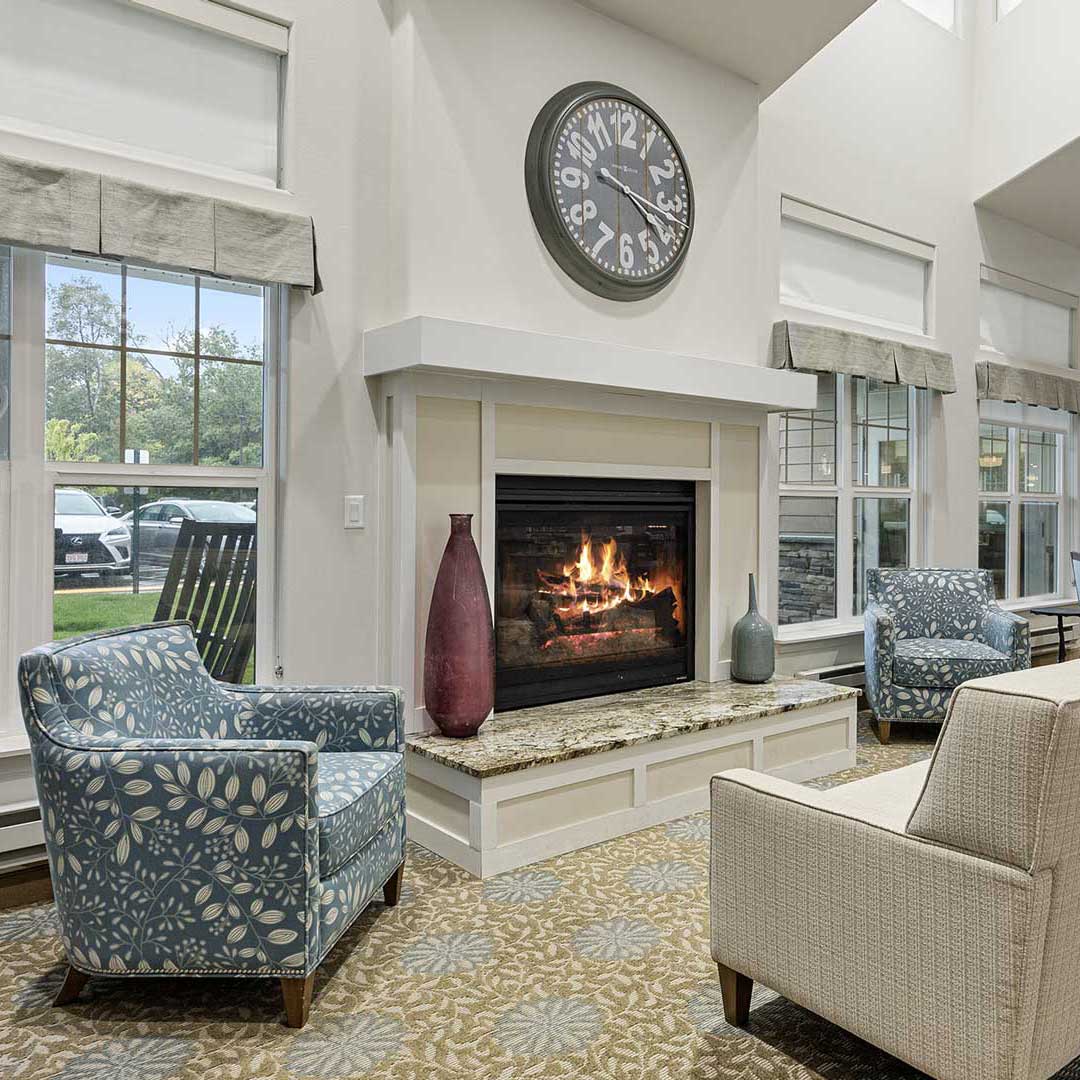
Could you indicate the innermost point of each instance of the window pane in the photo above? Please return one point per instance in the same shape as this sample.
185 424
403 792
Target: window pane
836 273
1024 327
1038 461
5 352
231 319
160 409
808 440
807 559
1038 548
993 458
82 403
109 574
83 300
994 543
880 430
881 540
160 310
230 413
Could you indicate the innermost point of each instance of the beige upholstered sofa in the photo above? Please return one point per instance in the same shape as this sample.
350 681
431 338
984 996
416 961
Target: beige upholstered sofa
933 910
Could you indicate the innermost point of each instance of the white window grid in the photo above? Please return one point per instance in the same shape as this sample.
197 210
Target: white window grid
844 491
27 483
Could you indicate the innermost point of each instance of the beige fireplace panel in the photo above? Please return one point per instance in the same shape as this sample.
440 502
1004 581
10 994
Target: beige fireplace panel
435 804
529 433
789 747
693 772
555 808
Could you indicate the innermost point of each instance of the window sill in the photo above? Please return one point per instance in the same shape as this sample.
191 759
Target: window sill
797 635
1033 602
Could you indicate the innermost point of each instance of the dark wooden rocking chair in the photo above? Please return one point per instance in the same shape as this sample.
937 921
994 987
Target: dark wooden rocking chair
211 583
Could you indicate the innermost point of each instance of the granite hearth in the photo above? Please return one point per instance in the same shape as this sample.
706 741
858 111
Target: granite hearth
539 782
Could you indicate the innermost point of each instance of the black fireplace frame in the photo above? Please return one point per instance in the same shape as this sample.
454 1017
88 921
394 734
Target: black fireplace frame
515 690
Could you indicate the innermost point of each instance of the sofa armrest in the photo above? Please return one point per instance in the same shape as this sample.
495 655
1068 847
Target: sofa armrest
884 934
1008 633
179 856
335 718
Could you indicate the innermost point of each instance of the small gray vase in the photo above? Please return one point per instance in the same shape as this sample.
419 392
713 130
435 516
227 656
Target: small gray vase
753 652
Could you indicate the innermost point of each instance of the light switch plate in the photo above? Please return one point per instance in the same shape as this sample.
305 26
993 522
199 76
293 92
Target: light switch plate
355 511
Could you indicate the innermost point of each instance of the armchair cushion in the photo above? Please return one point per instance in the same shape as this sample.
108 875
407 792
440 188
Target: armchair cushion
358 793
945 662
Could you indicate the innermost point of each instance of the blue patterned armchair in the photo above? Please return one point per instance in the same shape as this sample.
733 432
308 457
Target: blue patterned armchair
198 828
929 631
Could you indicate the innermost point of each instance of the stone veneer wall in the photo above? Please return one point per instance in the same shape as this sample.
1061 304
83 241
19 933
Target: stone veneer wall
807 579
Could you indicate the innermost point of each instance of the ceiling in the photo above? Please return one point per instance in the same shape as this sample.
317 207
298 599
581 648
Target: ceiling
1046 197
765 41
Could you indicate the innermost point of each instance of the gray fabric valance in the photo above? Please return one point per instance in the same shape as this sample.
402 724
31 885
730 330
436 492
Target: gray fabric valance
1003 382
806 347
47 207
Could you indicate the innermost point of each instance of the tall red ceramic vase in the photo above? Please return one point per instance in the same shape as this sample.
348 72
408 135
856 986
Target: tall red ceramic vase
459 651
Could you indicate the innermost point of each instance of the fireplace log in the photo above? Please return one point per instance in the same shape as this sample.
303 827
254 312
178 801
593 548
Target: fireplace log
656 610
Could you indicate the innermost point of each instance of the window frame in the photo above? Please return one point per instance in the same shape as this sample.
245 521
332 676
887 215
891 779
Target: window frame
844 491
28 480
1013 497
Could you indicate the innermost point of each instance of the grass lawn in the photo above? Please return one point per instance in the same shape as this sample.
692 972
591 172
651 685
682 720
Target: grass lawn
84 612
77 613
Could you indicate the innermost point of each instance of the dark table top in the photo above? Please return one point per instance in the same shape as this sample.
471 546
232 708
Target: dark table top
1059 609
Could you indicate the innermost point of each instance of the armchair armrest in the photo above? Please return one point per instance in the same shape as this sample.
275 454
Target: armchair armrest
879 650
882 933
186 856
1009 634
335 718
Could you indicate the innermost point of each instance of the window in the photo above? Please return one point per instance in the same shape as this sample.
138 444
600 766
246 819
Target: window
1020 513
149 401
1025 321
943 12
150 366
121 78
847 507
839 266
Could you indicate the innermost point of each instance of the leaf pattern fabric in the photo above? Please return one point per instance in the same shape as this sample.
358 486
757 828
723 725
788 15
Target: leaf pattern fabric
929 631
183 817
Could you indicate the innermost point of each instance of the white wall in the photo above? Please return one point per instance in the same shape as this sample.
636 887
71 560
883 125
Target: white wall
1027 86
472 77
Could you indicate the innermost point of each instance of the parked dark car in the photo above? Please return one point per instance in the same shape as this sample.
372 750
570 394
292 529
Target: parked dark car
86 538
160 521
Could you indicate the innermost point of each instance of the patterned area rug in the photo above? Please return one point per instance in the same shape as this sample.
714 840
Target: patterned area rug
595 964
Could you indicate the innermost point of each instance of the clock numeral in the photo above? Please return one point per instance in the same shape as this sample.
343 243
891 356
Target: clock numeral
598 130
581 148
648 245
574 177
626 251
660 173
582 212
674 206
607 234
625 124
646 146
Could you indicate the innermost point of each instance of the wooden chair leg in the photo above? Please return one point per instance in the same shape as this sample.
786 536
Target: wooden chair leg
392 889
736 990
884 729
74 981
297 995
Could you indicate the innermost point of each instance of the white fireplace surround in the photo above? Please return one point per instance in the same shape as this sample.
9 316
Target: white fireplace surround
698 418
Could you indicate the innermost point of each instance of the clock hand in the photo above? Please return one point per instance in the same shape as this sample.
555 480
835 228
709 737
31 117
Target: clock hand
628 191
662 231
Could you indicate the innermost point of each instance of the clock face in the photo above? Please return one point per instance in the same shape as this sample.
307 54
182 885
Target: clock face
609 191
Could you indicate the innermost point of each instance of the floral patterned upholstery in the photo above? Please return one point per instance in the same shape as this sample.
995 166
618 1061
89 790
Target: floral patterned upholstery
929 631
186 820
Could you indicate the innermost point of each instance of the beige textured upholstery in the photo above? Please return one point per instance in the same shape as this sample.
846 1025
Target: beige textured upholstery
935 910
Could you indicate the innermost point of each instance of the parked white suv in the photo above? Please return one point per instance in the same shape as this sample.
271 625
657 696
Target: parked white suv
87 539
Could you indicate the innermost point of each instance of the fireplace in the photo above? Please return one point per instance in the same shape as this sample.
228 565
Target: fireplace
593 587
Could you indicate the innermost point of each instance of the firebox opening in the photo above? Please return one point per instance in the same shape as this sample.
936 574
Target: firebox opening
594 588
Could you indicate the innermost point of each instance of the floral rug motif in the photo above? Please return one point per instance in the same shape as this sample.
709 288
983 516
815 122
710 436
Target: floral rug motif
592 965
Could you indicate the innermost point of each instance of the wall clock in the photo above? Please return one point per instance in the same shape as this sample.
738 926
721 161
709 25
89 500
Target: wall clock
609 191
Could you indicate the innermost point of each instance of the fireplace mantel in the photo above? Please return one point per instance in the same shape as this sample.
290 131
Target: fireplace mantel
444 346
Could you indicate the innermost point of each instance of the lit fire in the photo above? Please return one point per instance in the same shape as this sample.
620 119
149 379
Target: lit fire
598 580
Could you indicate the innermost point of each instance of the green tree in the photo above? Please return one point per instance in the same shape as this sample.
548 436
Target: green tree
65 441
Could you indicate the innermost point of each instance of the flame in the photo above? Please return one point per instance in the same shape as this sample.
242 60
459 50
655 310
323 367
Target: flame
598 580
